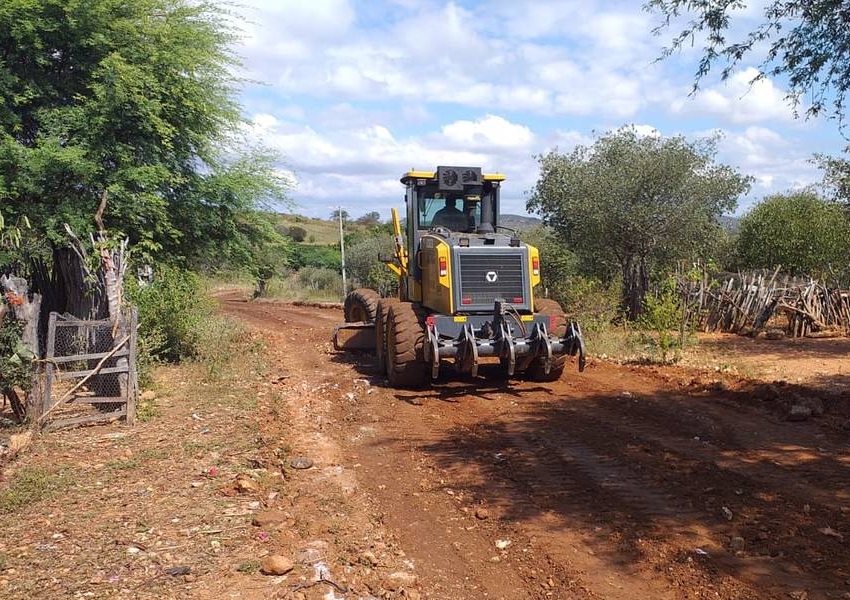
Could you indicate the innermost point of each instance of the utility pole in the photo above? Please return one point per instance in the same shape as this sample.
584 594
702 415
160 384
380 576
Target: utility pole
342 251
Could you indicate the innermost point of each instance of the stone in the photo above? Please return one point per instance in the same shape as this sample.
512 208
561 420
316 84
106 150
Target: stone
301 462
399 580
482 513
270 518
276 564
737 543
799 412
246 485
774 334
369 558
148 396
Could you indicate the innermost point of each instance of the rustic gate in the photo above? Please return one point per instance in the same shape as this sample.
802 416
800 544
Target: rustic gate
90 370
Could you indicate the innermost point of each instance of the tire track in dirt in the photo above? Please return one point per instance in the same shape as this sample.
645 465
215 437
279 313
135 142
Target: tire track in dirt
604 482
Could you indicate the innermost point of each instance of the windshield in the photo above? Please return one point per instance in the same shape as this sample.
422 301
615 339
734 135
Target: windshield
451 211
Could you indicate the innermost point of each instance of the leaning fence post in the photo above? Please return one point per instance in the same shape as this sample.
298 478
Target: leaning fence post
48 364
133 382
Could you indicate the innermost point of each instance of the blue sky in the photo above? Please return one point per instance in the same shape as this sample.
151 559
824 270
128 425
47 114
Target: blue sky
354 93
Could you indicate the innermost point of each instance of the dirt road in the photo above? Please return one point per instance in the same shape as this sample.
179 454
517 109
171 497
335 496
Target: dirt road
622 482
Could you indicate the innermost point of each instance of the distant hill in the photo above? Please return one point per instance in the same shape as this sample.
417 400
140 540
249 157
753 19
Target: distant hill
519 222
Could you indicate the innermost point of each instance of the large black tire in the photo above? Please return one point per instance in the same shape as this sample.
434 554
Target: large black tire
547 306
535 371
361 305
381 332
406 366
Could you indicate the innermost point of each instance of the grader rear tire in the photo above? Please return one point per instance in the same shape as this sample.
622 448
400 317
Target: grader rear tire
381 332
535 371
406 366
361 305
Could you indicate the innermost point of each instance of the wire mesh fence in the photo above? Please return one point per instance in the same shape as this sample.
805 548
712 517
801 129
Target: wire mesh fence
90 373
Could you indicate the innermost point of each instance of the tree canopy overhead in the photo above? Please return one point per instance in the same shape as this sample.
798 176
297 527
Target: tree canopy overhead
630 203
135 98
805 41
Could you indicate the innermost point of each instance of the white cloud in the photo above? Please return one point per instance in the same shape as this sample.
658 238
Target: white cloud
488 133
739 100
358 93
362 163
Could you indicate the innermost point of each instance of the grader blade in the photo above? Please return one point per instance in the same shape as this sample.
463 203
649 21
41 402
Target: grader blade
355 336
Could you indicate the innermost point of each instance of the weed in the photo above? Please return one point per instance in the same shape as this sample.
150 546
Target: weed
31 485
147 410
123 464
249 567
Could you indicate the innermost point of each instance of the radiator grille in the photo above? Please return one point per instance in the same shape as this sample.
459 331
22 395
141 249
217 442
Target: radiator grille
477 271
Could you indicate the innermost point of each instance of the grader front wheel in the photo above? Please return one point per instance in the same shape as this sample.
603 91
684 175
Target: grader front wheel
536 371
381 315
361 305
405 346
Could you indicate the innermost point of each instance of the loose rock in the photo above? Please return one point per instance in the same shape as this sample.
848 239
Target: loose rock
276 565
246 485
398 580
799 412
737 543
269 518
482 513
301 462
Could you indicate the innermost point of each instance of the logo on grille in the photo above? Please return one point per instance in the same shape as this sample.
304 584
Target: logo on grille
491 276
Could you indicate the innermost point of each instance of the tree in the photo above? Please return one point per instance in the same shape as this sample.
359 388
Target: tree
629 204
335 214
136 99
297 233
805 41
802 232
370 218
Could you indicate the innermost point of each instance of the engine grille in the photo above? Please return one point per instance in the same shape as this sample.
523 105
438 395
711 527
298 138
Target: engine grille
477 289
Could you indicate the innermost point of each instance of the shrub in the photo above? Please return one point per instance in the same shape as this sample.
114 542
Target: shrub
316 278
172 312
661 320
297 233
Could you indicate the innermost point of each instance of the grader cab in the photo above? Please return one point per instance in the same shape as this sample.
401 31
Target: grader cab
466 290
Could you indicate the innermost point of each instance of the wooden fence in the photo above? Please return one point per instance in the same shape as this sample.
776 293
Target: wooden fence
90 371
749 303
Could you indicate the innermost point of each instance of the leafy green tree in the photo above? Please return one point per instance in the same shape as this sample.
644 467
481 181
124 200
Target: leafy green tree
335 215
630 204
298 234
807 42
136 99
802 232
370 218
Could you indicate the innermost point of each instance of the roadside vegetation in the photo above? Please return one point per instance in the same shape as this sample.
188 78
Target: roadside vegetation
195 203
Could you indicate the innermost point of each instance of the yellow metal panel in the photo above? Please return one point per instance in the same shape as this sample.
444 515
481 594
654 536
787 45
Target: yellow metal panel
535 279
532 254
527 317
460 319
436 288
432 174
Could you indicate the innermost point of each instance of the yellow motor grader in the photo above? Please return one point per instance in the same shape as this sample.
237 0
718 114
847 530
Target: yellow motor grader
466 290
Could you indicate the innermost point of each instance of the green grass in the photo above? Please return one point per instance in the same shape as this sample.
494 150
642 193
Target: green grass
320 232
290 289
31 485
249 567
